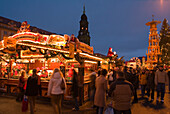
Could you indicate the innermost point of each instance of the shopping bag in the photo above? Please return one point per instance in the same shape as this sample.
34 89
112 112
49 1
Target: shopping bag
109 110
25 104
62 85
25 86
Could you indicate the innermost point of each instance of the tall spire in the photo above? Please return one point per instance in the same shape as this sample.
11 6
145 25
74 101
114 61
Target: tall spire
84 9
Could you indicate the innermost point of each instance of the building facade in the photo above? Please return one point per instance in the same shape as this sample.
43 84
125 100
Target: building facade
10 27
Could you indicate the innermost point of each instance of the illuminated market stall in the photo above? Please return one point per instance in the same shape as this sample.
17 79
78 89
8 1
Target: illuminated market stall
27 51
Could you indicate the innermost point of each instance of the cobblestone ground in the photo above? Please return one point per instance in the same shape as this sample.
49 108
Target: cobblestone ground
8 105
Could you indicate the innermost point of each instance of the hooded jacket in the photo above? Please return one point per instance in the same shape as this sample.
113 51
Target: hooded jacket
54 85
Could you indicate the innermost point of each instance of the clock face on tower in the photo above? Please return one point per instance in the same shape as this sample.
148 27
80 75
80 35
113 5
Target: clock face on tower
81 33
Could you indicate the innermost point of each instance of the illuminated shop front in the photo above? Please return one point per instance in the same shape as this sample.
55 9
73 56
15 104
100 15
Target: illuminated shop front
28 51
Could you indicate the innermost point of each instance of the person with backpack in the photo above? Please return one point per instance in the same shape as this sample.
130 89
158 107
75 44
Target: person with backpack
121 92
55 90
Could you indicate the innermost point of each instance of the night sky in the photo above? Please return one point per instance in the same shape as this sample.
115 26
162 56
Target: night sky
119 24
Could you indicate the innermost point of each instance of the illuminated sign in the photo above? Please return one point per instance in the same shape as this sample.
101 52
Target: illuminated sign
86 48
30 54
9 45
57 40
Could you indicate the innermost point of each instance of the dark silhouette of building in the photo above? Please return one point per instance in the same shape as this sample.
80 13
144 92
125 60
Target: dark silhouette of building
83 33
10 27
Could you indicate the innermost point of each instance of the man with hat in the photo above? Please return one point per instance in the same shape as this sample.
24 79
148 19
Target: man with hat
161 79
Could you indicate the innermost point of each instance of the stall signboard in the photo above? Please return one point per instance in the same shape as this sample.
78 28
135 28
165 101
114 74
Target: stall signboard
30 54
57 40
9 45
86 48
27 36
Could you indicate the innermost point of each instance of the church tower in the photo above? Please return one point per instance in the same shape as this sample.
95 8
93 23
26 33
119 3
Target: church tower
153 48
83 33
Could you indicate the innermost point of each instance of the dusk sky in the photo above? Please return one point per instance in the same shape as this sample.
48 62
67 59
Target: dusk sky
119 24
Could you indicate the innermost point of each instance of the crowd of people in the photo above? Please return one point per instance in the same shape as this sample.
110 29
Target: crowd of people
123 84
119 84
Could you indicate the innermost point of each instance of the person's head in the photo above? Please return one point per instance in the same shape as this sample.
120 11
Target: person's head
125 69
23 73
55 71
143 71
134 71
34 72
104 72
119 74
150 71
161 67
146 71
131 68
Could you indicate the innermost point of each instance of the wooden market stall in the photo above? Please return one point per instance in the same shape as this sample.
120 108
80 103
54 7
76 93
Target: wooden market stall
28 50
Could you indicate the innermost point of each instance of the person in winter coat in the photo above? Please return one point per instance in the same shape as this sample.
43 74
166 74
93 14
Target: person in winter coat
75 90
121 92
143 82
55 91
135 81
32 90
92 86
21 87
161 79
150 86
127 74
100 94
110 77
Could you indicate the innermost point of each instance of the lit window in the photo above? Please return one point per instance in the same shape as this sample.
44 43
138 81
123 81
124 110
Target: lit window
82 28
86 28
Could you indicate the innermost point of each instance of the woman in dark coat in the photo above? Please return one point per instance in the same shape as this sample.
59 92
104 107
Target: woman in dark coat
135 82
21 86
150 84
75 89
32 90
